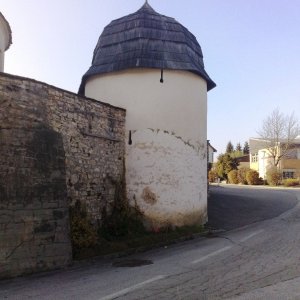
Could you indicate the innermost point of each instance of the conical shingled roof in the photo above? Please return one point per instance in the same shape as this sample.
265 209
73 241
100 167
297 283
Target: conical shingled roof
146 39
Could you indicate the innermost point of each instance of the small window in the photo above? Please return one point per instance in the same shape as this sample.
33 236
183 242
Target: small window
288 174
254 158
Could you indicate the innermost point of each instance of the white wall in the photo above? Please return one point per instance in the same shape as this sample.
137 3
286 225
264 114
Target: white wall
179 104
210 154
1 61
265 161
166 164
166 179
4 41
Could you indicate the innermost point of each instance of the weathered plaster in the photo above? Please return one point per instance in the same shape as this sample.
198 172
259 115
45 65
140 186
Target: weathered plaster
166 166
165 178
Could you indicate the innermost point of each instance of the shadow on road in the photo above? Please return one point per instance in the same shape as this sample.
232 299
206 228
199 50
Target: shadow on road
234 207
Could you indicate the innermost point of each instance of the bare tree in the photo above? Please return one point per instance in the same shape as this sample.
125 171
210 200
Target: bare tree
279 132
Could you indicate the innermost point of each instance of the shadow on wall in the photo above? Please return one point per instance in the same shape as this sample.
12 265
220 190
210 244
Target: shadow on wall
34 217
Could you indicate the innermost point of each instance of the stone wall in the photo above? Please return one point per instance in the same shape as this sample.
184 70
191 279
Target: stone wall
55 148
34 223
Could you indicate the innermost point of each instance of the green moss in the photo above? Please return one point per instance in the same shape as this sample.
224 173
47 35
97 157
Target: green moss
83 233
124 220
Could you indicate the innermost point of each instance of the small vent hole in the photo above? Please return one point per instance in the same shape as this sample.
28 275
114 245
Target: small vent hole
129 138
162 76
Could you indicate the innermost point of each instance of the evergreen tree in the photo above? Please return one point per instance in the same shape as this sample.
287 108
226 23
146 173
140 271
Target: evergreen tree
225 164
229 148
238 147
238 151
246 149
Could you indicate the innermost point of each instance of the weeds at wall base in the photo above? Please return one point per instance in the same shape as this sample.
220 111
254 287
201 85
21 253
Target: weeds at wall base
119 234
146 240
120 230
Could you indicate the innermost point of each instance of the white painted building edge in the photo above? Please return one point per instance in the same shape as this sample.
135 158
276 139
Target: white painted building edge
178 105
5 39
210 152
166 163
165 178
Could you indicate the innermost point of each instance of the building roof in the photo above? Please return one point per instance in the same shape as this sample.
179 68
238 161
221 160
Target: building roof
256 144
8 29
212 148
243 158
146 39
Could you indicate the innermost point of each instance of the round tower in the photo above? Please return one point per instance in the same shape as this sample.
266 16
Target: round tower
5 39
153 67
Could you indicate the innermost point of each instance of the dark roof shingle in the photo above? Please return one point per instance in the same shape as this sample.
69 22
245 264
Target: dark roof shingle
146 39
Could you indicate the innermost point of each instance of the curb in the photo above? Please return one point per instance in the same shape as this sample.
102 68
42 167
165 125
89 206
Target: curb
254 186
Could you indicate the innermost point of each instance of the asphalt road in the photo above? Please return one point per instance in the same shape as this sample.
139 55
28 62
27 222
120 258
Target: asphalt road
231 207
260 260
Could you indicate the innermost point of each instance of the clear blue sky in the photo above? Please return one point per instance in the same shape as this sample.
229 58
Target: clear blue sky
251 50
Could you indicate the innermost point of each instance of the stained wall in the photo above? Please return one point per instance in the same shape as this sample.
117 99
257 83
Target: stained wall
56 148
166 149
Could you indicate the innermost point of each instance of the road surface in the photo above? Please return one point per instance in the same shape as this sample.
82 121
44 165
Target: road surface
233 206
258 261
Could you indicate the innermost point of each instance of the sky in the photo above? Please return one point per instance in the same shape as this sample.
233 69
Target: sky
251 50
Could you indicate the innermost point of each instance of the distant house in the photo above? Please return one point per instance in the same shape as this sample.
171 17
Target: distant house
244 161
210 153
261 159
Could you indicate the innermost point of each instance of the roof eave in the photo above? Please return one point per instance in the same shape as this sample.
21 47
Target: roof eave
210 83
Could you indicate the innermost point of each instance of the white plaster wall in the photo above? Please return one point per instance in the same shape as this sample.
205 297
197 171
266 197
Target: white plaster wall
171 161
3 36
166 179
4 41
210 154
1 61
179 104
264 162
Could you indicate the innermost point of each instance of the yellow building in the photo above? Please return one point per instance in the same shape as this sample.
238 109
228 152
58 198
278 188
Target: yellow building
261 159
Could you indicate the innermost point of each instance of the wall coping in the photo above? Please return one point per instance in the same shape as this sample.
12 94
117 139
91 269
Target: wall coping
12 76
